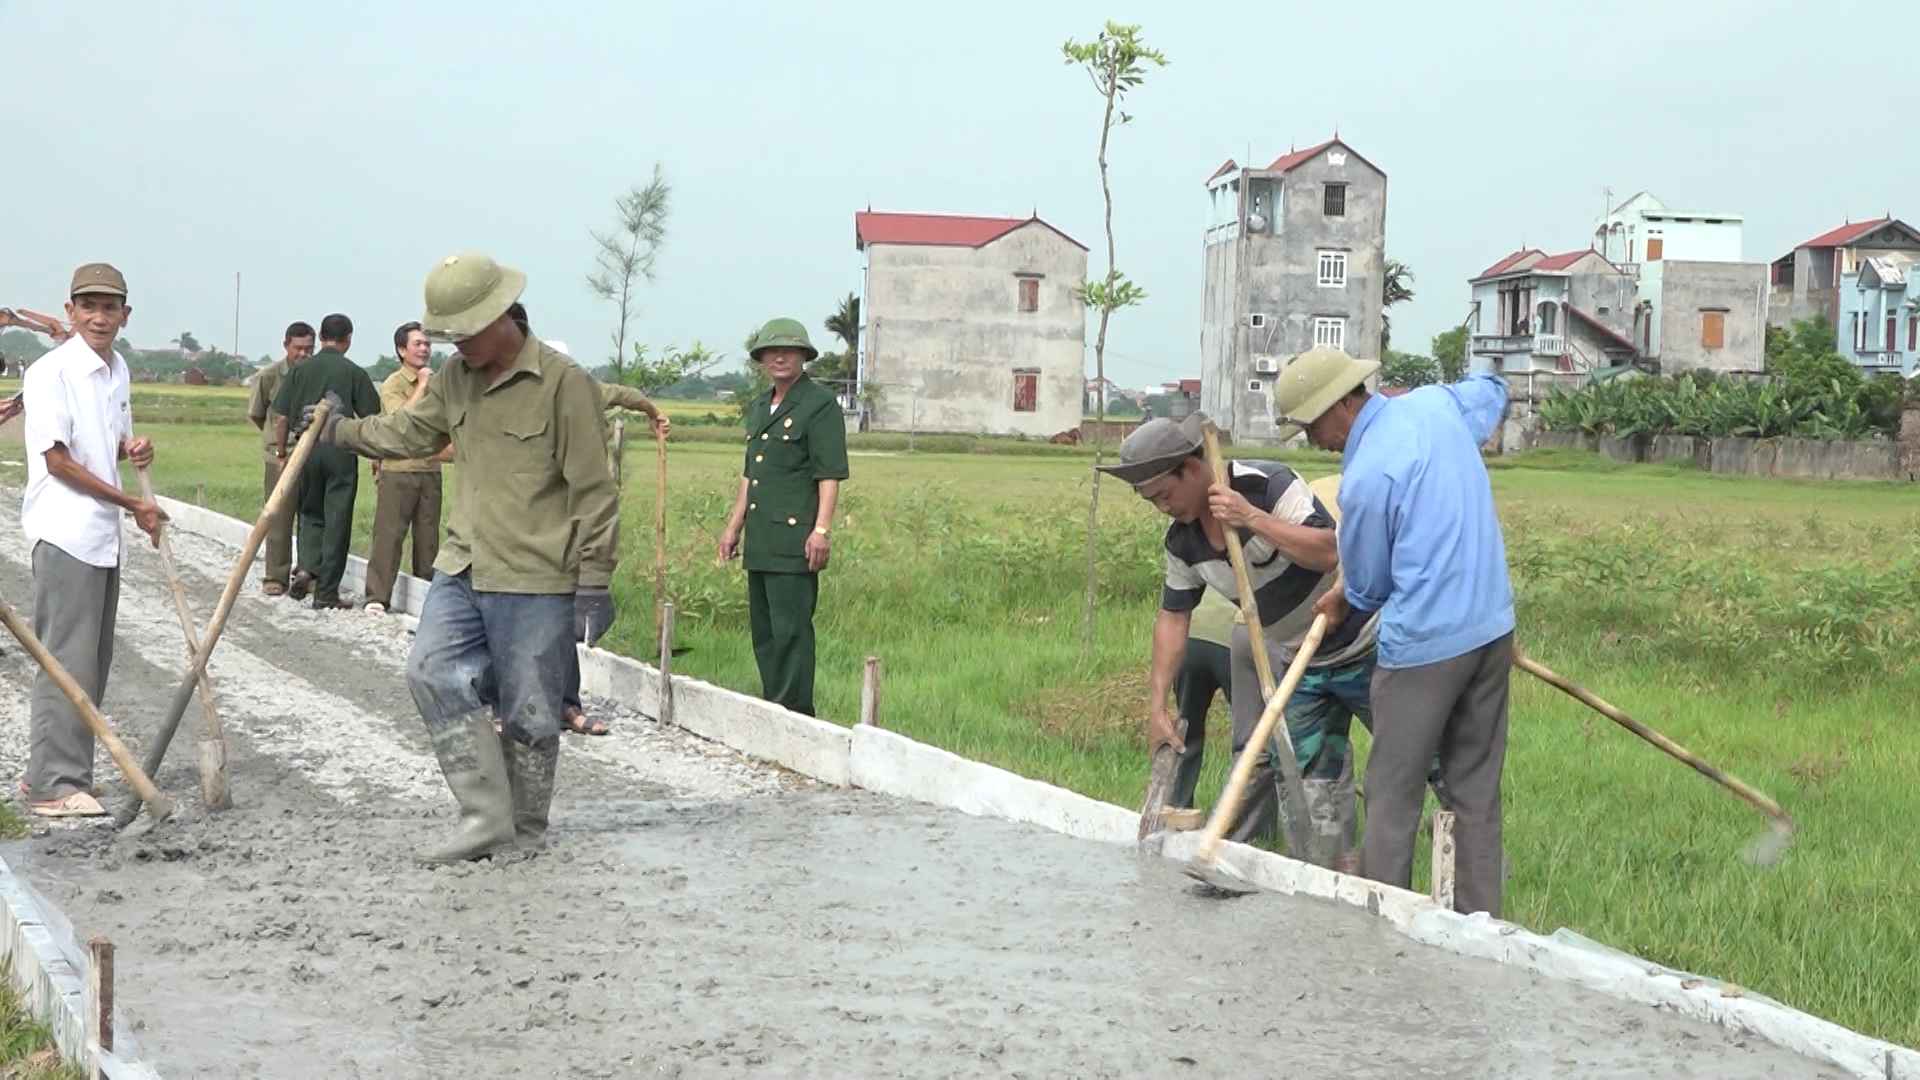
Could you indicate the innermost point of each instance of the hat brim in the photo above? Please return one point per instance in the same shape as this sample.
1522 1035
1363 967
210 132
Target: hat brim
812 353
99 290
482 314
1141 472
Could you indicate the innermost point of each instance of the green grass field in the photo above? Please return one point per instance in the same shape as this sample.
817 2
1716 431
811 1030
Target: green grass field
1768 625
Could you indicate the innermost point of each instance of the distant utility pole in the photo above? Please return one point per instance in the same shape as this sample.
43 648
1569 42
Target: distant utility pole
236 313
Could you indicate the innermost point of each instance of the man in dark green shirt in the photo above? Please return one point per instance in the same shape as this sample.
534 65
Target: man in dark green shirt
331 479
796 458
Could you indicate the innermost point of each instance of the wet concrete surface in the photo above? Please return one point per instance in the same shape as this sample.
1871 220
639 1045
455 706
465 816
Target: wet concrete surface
700 915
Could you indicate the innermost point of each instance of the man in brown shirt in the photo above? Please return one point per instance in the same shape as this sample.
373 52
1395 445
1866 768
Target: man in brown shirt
298 342
409 487
529 549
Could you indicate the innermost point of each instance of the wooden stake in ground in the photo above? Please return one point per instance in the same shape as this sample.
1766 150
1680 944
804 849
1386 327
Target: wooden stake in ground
1763 851
213 741
1443 858
870 693
1293 791
99 1001
157 804
666 665
276 503
660 529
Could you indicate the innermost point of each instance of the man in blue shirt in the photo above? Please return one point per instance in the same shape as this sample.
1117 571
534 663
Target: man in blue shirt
1420 544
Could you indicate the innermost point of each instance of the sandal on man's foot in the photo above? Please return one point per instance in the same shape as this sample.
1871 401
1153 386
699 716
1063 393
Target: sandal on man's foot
580 723
78 804
273 588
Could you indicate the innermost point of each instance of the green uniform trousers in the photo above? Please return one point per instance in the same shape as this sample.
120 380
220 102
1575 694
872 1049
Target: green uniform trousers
407 501
327 489
781 609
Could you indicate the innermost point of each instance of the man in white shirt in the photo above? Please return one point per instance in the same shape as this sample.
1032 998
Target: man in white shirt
79 426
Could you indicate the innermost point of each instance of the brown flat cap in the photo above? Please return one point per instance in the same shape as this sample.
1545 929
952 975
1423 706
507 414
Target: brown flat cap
98 278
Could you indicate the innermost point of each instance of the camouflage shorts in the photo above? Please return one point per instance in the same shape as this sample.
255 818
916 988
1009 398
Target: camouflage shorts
1320 717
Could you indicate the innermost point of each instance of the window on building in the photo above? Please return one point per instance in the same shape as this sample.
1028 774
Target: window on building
1913 333
1549 318
1893 327
1334 202
1026 390
1029 293
1713 329
1254 386
1333 269
1859 333
1656 247
1330 332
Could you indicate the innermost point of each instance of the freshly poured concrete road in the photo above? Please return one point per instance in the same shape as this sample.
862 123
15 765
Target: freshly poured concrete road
699 915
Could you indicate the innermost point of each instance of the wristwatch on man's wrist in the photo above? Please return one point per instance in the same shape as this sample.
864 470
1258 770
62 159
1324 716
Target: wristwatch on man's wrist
821 529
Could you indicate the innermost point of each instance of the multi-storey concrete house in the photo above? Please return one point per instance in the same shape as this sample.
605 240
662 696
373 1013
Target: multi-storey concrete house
1860 277
1570 314
973 324
1292 255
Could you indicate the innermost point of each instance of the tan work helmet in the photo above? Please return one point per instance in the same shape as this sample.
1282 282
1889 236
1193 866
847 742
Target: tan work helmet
466 293
1311 383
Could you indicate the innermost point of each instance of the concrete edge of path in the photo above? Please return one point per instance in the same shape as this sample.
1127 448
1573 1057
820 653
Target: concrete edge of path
892 764
46 967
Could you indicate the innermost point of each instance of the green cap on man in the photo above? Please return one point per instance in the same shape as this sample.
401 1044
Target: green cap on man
1311 383
466 293
782 334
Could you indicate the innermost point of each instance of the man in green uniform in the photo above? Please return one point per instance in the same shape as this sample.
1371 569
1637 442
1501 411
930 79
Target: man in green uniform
332 477
407 490
796 458
266 387
529 550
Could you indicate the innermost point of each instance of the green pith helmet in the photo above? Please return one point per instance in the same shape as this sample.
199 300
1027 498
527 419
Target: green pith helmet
782 334
466 293
1313 381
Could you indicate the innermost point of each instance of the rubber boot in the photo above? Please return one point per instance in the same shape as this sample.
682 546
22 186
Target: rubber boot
476 771
530 771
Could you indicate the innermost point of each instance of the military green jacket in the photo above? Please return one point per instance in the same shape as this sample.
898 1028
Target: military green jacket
789 451
326 371
535 508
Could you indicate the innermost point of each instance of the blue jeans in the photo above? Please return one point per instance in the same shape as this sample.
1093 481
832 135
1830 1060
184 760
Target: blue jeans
506 652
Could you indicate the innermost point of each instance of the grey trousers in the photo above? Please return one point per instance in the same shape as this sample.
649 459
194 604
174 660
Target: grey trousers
1457 708
75 605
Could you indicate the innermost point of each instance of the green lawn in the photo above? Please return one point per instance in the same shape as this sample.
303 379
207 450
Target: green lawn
1769 625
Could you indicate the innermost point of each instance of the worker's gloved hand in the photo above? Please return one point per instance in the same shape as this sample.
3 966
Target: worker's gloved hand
334 416
592 614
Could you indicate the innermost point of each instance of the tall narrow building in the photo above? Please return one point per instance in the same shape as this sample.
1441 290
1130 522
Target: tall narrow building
1294 254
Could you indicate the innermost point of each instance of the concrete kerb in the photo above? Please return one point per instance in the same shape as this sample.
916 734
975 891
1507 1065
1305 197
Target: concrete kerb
46 967
892 764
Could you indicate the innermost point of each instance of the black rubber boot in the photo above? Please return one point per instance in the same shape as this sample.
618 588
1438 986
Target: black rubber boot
476 771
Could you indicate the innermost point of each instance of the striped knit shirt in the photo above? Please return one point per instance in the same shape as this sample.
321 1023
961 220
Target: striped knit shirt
1283 592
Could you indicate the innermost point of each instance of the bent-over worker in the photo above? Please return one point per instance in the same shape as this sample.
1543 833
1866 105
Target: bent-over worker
796 458
1421 547
1288 539
530 543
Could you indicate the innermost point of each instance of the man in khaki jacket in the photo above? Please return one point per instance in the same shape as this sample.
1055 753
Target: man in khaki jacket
298 342
529 550
409 488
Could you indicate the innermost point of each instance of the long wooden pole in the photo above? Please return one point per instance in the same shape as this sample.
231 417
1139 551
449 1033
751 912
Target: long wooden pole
1752 796
276 502
659 527
157 804
1293 791
213 741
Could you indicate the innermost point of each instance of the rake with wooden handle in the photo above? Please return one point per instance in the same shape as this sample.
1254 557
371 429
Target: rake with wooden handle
276 503
1205 866
213 741
1763 851
157 803
1293 792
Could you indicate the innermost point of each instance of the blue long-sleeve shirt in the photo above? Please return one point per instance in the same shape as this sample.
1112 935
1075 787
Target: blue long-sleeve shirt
1419 540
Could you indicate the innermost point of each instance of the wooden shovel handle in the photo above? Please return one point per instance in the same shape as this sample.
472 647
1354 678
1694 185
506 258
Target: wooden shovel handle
1679 753
1249 610
157 804
213 741
1228 808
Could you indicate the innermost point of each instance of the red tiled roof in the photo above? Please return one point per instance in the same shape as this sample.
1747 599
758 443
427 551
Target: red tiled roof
1845 234
1561 261
1190 386
938 230
1508 263
1223 170
1288 161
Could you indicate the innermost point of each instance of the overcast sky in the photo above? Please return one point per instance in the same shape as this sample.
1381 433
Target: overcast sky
331 153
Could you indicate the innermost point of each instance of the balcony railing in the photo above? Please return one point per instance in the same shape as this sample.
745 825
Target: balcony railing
1549 345
1877 359
1502 343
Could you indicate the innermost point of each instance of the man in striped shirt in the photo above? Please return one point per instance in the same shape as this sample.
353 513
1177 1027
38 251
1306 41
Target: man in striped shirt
1288 538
